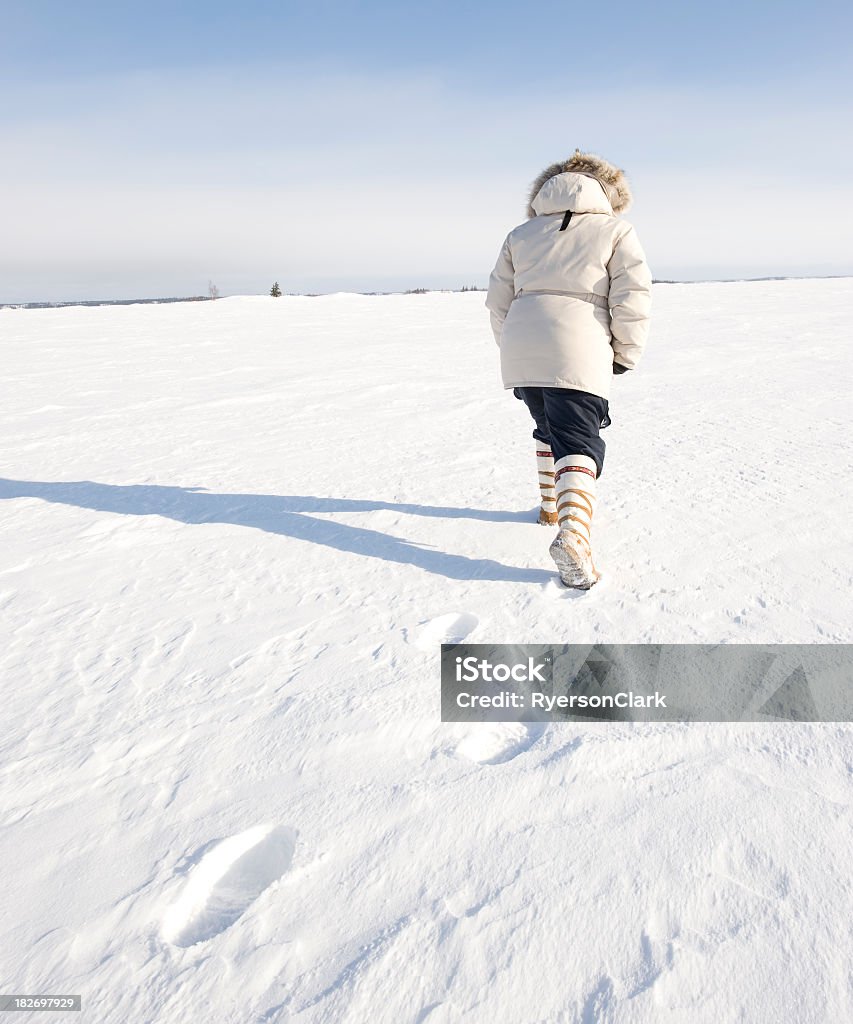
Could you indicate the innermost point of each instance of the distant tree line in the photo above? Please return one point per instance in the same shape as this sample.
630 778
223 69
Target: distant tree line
276 292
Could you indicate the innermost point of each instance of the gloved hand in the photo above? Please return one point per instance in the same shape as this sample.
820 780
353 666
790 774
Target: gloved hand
619 368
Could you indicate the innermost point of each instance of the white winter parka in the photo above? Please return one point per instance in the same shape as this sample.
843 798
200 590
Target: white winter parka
565 304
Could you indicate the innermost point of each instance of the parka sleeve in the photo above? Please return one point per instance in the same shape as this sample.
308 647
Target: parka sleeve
630 299
501 290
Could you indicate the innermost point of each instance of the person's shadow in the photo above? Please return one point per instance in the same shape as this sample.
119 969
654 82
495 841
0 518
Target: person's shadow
288 516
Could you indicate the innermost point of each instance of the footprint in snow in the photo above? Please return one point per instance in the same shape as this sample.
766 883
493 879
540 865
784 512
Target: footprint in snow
495 742
446 629
226 881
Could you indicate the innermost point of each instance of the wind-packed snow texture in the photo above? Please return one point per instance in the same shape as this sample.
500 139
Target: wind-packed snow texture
234 535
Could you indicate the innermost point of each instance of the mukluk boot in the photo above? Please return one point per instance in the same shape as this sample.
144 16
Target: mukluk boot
571 549
548 498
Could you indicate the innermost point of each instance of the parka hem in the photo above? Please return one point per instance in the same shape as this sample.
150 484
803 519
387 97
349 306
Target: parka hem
568 385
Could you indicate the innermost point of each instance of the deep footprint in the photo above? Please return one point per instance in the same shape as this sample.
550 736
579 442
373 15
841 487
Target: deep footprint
226 882
446 629
496 742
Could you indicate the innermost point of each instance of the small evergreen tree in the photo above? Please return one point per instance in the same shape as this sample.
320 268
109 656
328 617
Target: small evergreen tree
275 291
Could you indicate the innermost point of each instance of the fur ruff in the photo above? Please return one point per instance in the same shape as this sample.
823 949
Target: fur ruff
612 179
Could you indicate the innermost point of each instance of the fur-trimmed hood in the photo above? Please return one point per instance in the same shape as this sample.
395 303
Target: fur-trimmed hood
612 180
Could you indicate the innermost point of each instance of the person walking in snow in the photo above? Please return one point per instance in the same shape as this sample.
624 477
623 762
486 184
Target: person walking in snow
569 299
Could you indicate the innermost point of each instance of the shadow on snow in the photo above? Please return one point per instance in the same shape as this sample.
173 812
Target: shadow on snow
287 516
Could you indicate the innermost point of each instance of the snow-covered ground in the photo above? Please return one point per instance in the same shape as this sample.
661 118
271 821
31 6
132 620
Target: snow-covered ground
234 535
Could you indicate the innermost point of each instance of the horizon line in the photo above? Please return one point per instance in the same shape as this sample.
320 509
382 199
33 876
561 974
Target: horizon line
48 304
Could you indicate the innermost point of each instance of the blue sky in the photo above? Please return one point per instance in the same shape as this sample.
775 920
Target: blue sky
150 148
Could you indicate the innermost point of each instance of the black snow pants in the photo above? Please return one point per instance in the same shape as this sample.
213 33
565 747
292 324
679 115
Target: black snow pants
568 420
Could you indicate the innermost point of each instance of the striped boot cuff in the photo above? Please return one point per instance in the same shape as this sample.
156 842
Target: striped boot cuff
574 478
576 464
545 467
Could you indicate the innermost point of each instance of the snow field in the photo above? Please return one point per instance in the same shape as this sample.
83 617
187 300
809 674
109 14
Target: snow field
234 535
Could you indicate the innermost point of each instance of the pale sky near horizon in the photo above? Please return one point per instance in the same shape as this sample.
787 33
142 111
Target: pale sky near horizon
342 146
